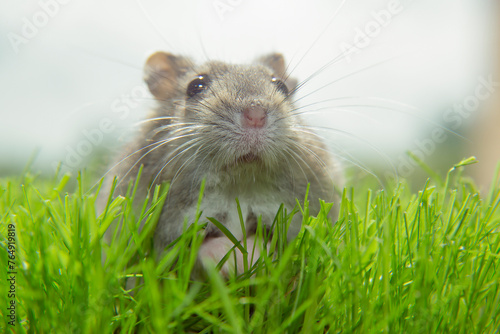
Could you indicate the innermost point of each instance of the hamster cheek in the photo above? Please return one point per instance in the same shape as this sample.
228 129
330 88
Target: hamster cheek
213 250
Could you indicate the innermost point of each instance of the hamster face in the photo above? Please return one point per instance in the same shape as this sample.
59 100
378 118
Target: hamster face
234 124
243 113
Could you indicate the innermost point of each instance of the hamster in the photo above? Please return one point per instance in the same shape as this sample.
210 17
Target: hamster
237 127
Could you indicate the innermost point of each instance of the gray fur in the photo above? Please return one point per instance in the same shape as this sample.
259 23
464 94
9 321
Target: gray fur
203 138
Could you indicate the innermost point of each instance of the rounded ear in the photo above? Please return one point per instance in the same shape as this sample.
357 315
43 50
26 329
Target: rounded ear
276 62
162 72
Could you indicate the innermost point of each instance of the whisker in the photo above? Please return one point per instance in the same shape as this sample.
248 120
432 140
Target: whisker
162 118
292 154
350 135
122 160
350 159
337 11
206 155
311 152
320 161
185 164
410 110
157 29
185 127
335 60
159 144
348 75
179 170
192 143
322 110
292 173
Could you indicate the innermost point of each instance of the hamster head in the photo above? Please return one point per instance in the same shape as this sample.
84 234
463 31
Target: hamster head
237 115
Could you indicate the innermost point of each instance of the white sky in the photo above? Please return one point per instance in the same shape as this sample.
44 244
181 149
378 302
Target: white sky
84 59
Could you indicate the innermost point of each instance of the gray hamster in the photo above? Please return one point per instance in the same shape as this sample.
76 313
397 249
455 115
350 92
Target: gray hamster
235 126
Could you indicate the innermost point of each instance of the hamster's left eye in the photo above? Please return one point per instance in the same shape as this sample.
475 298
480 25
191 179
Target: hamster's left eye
280 86
198 85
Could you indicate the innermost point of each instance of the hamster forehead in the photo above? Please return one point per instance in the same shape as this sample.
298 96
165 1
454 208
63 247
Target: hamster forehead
252 81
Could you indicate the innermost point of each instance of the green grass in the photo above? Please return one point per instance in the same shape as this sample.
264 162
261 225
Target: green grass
396 261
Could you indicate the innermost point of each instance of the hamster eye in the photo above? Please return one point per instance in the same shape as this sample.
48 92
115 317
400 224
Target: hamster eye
197 85
280 86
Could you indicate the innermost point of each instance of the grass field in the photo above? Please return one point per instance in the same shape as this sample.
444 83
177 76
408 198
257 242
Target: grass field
396 261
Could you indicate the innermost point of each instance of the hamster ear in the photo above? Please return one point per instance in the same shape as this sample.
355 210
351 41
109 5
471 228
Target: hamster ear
276 62
162 72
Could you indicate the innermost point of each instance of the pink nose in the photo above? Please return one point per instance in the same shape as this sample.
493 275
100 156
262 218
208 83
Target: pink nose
254 116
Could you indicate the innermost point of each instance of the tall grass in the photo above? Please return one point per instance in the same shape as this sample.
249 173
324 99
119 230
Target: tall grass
396 261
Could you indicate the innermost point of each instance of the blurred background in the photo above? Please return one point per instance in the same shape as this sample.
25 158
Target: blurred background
383 77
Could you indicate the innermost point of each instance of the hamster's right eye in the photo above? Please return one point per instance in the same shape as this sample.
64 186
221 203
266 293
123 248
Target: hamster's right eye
280 86
198 85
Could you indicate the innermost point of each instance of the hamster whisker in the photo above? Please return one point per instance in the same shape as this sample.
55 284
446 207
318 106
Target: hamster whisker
185 164
296 112
318 103
162 118
307 150
361 166
307 165
291 172
408 110
206 155
337 11
121 161
191 143
350 135
158 145
169 138
320 161
216 93
185 127
158 31
130 155
182 146
348 158
322 140
274 156
335 60
292 154
214 159
357 98
312 133
366 68
204 103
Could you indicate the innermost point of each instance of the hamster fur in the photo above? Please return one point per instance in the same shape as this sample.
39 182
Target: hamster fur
237 128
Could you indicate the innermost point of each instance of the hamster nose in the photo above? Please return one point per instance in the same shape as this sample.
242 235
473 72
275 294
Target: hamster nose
254 116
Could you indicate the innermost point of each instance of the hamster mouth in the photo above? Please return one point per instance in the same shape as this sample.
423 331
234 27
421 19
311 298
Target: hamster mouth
244 160
247 158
